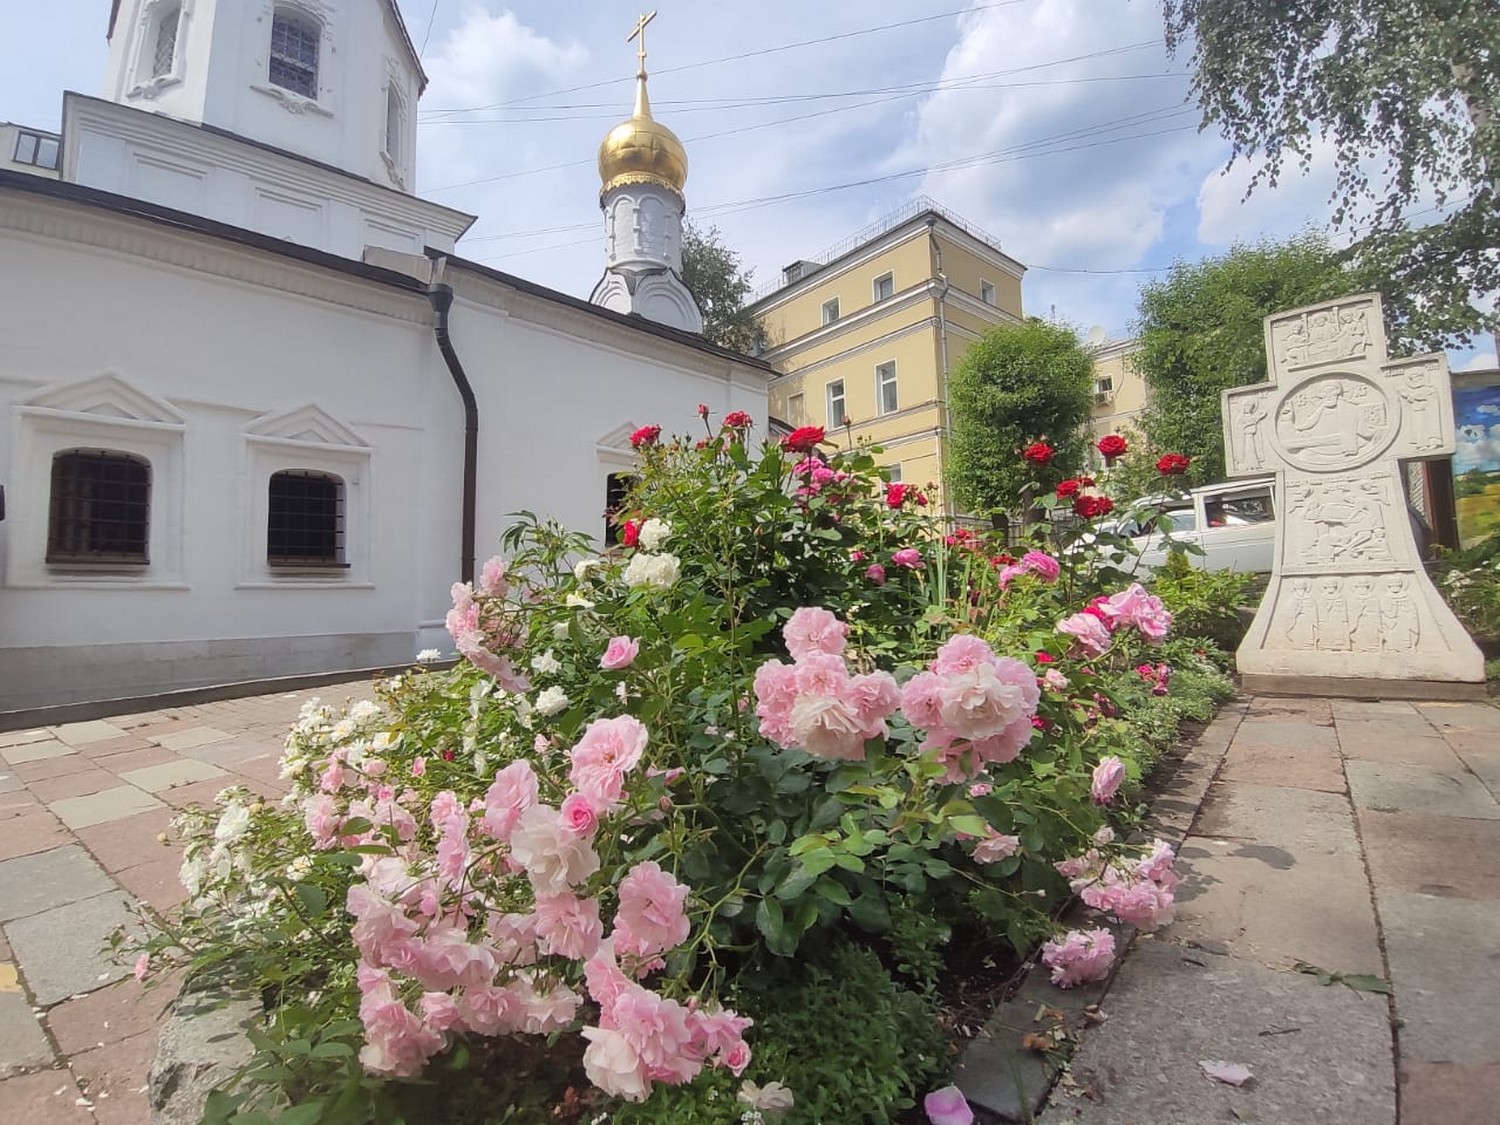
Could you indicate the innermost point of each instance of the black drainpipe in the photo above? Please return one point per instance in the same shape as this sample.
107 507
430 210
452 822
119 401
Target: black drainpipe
441 297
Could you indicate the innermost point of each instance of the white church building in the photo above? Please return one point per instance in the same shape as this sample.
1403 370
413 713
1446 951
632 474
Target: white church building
259 413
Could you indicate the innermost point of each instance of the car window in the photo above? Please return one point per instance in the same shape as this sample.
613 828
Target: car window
1184 519
1239 510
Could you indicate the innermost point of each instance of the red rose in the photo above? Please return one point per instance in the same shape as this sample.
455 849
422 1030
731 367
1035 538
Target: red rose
1112 446
921 499
703 410
804 439
736 420
1038 453
1088 507
1172 464
1043 657
1067 488
646 435
630 533
895 494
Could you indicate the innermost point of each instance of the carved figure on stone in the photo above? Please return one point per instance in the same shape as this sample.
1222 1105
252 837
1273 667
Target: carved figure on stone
1333 617
1421 398
1400 627
1253 442
1331 422
1364 615
1301 626
1332 333
1347 521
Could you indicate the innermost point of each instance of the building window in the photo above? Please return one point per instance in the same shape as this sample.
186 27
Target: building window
830 311
885 285
796 409
617 488
393 111
885 388
836 413
100 509
294 53
165 48
305 521
38 149
1104 388
894 472
986 292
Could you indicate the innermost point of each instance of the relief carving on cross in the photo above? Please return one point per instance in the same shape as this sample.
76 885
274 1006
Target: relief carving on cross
1348 596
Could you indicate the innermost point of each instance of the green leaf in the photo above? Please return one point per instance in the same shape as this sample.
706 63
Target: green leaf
795 883
818 860
833 891
355 826
969 825
870 913
313 899
304 1114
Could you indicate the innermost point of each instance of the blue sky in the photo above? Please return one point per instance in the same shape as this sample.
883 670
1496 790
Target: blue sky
1060 126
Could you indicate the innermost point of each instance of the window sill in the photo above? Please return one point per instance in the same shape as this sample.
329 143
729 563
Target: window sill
97 566
152 88
291 101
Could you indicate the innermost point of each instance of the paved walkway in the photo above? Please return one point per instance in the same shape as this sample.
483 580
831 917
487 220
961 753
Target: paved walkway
1362 838
83 808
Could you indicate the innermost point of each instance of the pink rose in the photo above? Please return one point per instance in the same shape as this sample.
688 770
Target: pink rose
1043 565
613 1065
608 750
908 557
555 858
620 653
1108 775
995 847
651 910
513 792
568 926
1089 631
814 630
578 814
1079 957
875 573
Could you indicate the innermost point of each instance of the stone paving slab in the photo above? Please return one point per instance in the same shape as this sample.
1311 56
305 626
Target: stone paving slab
1369 742
23 1044
171 775
59 950
1287 818
1444 955
1318 1054
81 734
37 751
21 737
1484 763
34 832
108 1015
1448 856
110 804
191 737
34 883
1449 1093
1273 763
1265 904
1384 787
80 784
131 841
45 1098
1462 716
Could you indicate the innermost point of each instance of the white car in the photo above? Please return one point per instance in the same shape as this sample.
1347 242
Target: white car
1233 524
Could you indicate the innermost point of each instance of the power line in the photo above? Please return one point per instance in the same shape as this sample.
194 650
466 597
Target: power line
432 15
745 55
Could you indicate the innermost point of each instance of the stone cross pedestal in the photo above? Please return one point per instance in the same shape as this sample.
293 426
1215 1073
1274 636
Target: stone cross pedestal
1348 598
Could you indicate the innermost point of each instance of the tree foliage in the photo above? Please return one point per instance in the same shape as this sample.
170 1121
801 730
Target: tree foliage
1200 331
1016 384
711 271
1407 92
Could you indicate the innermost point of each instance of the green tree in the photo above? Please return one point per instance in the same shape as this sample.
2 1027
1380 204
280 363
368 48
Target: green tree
712 273
1200 332
1016 384
1408 94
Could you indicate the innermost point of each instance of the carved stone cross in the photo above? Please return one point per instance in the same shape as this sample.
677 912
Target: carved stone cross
1348 597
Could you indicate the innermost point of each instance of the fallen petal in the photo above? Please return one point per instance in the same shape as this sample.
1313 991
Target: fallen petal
948 1107
1231 1074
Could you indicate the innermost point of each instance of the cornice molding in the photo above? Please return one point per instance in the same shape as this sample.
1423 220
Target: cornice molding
61 221
853 322
928 323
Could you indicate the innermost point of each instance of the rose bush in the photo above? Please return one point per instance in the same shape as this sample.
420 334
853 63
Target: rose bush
791 715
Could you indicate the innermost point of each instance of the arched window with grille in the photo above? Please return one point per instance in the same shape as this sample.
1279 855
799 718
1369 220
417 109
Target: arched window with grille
294 52
100 508
164 43
617 488
305 520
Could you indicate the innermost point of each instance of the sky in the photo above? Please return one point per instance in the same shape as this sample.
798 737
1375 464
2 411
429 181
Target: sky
1061 127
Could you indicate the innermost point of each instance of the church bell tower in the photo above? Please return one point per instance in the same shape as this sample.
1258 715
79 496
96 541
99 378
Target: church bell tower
642 170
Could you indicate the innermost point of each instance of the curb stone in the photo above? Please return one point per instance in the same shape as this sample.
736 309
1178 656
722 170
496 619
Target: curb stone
996 1073
201 1046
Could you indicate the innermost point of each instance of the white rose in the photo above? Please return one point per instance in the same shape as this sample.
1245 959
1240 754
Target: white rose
546 664
555 857
654 533
551 700
429 656
364 711
578 601
582 567
560 631
613 1065
234 822
657 571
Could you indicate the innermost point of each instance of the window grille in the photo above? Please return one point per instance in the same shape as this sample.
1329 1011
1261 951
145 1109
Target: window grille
294 54
305 524
830 311
617 488
836 411
166 44
885 286
100 507
885 387
38 149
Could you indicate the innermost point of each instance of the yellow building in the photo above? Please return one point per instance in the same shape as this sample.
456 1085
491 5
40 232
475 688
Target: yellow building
1119 391
869 331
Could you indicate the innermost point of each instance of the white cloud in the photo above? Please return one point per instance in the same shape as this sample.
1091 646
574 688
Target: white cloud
1477 448
1481 361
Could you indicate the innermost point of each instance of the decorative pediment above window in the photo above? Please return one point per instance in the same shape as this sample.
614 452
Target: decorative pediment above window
614 447
108 398
306 425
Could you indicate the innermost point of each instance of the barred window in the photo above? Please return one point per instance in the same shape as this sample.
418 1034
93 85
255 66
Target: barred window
617 488
166 43
294 53
100 509
305 521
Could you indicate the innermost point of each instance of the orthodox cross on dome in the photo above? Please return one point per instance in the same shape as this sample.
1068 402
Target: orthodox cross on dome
640 33
1338 417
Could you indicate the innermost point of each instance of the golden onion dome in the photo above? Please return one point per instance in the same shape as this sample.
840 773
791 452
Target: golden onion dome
641 150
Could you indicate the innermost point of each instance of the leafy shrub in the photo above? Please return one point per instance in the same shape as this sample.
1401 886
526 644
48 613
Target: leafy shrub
1206 603
1469 581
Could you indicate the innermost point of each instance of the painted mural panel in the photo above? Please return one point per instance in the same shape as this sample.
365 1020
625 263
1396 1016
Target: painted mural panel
1476 459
